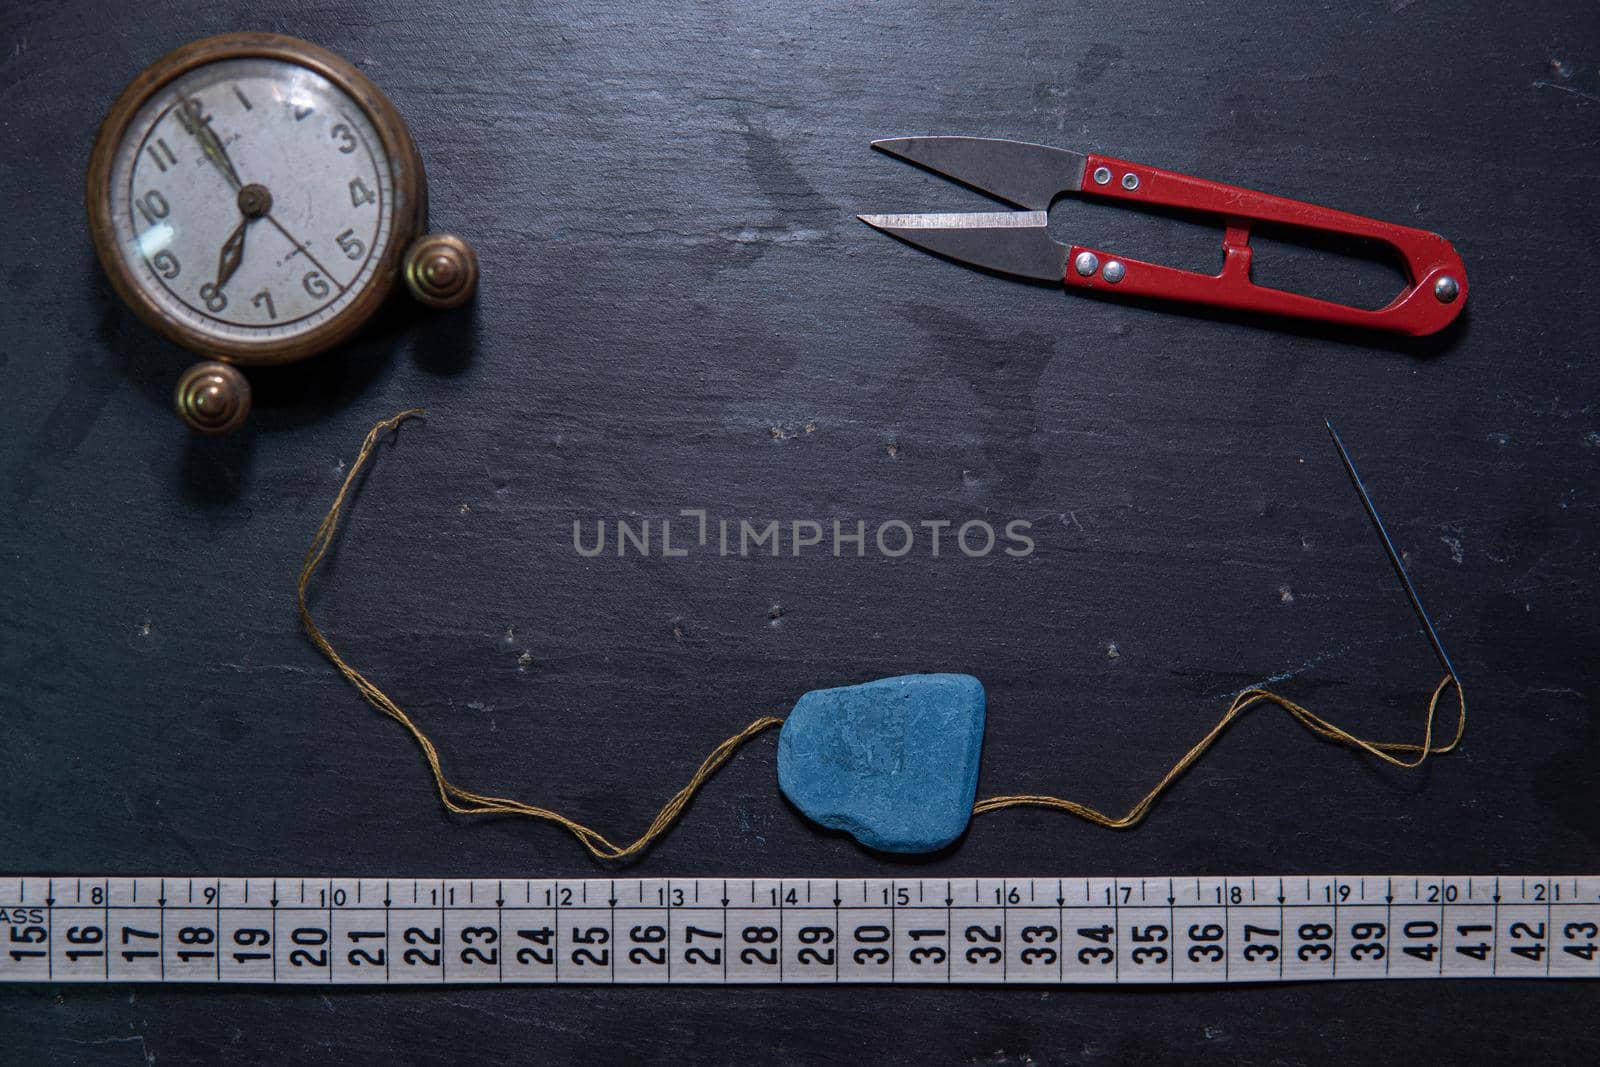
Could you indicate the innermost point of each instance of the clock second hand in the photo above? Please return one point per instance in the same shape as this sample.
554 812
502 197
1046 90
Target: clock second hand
326 273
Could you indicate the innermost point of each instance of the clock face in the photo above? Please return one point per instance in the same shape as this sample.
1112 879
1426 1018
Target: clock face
252 200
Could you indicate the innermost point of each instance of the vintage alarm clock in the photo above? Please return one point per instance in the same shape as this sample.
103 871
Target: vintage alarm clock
255 198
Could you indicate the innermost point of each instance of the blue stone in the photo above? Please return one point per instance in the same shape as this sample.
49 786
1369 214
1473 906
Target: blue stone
892 762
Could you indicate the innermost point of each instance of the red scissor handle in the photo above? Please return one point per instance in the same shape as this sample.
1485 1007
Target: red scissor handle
1437 287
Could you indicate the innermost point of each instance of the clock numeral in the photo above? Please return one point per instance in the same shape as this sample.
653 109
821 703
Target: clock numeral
162 154
243 99
192 114
264 297
360 194
152 206
346 139
353 248
166 264
302 111
215 298
315 284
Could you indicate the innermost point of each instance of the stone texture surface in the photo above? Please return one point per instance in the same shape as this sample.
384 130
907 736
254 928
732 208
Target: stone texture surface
893 762
675 288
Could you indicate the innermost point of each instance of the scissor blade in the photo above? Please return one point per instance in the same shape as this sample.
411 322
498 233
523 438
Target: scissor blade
1012 242
1024 174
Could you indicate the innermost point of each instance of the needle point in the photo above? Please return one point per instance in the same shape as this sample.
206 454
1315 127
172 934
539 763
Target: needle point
1389 550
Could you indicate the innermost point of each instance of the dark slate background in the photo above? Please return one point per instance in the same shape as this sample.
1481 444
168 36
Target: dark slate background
674 290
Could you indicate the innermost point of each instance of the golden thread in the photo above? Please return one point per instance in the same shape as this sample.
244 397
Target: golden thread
464 801
1384 750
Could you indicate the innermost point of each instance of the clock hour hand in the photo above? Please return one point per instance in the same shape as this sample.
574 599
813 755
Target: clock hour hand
232 253
254 202
193 120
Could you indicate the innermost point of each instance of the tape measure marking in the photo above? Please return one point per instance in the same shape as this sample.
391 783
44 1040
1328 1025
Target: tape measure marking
1049 931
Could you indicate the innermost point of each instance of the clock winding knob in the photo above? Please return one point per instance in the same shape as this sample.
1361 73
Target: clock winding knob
441 270
213 398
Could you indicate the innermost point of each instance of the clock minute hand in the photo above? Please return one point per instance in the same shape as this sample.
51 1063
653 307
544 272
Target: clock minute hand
189 115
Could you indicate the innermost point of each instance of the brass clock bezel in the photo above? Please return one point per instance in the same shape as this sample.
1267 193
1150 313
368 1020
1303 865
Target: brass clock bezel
410 194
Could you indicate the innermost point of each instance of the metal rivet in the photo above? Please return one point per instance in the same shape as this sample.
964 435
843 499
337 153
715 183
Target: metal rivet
1113 272
1086 263
441 270
213 398
1446 289
1102 175
1130 181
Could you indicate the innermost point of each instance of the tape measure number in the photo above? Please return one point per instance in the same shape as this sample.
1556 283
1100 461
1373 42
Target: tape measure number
1048 931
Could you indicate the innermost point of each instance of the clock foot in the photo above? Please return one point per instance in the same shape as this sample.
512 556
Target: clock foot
213 398
441 270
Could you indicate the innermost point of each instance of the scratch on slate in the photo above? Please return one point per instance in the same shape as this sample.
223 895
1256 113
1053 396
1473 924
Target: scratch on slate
144 1047
1285 675
1566 89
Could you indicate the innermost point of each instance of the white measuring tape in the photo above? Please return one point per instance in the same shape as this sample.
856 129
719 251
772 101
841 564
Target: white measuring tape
1051 931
